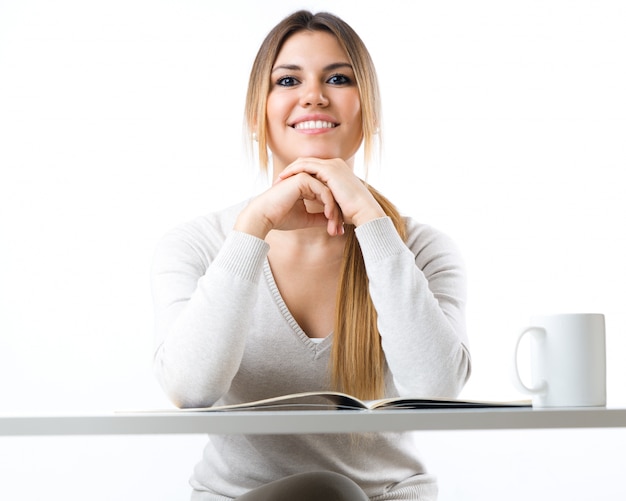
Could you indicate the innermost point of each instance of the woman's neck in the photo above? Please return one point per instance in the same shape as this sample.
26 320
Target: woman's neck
312 239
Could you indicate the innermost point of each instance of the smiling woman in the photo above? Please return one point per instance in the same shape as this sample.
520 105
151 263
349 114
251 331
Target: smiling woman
313 107
353 67
317 283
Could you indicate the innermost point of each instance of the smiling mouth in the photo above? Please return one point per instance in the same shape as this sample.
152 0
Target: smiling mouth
315 124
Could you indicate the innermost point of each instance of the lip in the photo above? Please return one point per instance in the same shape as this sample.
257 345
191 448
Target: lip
314 118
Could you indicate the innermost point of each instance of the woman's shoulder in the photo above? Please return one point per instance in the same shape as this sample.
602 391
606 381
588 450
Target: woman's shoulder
426 240
218 223
204 234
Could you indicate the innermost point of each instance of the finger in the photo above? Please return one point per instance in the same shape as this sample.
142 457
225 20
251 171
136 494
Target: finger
314 190
308 165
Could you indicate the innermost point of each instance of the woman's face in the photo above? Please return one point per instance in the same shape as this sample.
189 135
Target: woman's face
313 107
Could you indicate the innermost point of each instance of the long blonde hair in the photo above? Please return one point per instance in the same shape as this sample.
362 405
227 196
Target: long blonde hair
357 360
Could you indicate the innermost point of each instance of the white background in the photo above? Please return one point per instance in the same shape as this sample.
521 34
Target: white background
504 125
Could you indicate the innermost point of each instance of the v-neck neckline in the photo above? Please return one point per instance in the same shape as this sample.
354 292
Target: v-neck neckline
286 313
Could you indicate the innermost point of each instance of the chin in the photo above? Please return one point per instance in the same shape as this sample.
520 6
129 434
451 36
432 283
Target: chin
325 155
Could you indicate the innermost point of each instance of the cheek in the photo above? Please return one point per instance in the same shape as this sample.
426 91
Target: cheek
354 111
357 121
275 119
277 110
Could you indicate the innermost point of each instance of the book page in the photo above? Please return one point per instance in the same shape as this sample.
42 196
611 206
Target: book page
434 403
298 401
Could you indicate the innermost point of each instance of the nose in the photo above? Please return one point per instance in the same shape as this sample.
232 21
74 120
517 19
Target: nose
313 95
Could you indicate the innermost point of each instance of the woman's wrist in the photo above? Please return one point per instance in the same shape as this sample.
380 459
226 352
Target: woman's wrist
367 214
252 225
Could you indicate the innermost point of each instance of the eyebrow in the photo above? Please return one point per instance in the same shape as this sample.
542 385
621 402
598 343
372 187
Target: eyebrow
295 67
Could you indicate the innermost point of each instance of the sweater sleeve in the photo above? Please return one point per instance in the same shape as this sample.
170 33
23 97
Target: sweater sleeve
419 291
203 308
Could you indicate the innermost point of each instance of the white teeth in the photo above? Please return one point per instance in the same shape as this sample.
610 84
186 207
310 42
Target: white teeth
314 124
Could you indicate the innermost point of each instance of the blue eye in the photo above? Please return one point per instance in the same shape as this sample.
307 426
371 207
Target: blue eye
287 81
339 80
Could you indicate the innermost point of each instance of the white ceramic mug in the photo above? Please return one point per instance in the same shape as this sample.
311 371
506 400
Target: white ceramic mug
568 360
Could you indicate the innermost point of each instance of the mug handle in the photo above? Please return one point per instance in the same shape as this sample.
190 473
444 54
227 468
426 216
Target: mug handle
516 379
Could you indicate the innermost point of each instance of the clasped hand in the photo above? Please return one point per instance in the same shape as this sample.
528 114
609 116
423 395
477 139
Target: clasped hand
311 192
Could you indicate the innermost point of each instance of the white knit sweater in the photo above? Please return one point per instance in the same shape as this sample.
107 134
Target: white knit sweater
224 335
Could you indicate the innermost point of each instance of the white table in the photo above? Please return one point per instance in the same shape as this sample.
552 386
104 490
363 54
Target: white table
280 422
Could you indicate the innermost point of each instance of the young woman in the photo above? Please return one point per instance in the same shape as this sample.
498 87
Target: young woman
317 283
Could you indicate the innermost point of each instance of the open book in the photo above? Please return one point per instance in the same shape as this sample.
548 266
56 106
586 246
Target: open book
330 400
